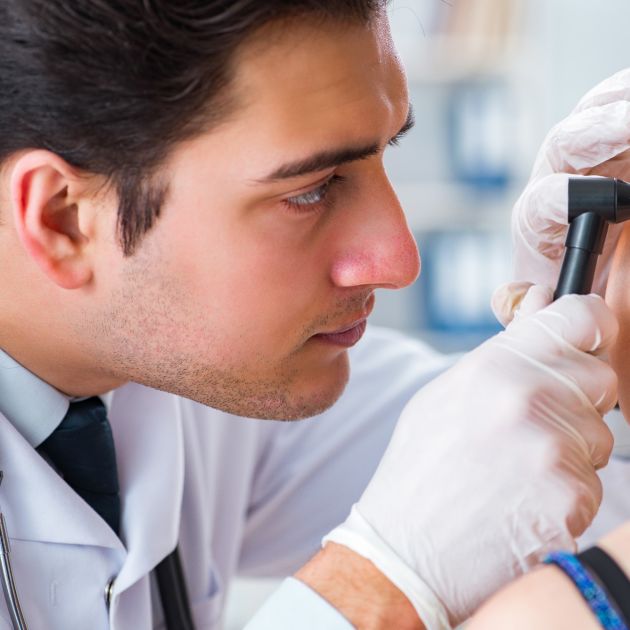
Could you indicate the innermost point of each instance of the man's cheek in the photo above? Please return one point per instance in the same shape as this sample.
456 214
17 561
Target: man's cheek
619 355
618 299
624 387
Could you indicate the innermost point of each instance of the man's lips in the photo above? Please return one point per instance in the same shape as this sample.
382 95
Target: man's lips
349 334
345 338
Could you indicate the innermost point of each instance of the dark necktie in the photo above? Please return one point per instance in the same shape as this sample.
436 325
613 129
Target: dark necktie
82 450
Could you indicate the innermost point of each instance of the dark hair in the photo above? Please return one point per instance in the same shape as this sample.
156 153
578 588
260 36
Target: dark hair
112 85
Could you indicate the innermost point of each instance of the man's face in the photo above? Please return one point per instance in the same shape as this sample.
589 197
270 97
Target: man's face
278 226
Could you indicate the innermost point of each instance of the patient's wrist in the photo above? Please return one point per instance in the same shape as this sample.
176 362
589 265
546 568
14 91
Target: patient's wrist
358 590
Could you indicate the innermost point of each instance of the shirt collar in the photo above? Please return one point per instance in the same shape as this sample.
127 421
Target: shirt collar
34 407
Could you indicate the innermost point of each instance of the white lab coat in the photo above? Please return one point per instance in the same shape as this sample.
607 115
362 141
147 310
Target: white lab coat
240 495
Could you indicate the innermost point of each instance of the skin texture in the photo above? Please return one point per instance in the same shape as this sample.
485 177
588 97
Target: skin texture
222 299
359 590
543 599
221 302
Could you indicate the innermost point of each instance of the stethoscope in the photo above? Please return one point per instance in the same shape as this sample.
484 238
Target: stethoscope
168 573
8 583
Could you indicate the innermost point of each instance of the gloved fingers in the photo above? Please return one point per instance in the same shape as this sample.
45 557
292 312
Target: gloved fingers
585 139
618 166
561 341
577 482
519 299
588 498
568 489
599 439
536 298
583 321
590 435
541 215
568 391
613 88
601 384
506 300
593 377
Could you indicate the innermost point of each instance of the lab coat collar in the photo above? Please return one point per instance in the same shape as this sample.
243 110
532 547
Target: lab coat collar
147 427
39 506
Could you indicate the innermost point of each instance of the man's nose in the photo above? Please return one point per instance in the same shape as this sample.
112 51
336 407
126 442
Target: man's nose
379 249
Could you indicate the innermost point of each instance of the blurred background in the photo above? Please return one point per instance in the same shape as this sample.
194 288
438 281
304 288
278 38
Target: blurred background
488 79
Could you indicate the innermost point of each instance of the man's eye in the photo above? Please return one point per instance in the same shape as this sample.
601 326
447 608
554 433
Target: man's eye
313 200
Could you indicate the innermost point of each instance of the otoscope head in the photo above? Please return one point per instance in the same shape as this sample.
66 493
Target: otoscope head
607 197
594 203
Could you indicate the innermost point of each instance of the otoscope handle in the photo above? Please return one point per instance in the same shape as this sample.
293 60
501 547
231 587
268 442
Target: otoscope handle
578 271
585 242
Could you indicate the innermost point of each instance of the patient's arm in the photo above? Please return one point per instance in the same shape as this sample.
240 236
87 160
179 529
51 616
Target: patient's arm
546 599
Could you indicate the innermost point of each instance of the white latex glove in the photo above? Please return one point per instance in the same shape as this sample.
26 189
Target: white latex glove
593 140
492 464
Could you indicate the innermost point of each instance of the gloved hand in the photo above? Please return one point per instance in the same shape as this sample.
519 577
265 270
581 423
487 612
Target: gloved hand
492 464
593 140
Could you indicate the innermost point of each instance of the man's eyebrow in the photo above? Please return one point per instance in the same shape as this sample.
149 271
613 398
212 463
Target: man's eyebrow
321 161
335 157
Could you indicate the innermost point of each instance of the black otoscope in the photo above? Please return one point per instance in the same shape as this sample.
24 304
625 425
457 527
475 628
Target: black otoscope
594 202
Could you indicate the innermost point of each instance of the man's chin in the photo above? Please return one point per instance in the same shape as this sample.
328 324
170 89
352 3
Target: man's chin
309 402
320 394
307 408
300 399
303 395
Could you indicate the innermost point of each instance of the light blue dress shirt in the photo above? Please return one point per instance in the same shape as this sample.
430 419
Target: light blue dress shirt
294 605
31 405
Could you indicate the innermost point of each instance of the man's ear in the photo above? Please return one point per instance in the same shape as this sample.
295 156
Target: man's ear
48 207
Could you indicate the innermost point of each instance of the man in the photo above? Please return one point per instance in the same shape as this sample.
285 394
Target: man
194 208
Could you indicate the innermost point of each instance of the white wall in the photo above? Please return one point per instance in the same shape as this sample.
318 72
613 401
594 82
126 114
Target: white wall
580 43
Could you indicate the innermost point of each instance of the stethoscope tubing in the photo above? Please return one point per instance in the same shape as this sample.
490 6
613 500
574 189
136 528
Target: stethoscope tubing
8 583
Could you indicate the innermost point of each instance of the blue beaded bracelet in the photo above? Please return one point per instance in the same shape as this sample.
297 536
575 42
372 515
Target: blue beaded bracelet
594 595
